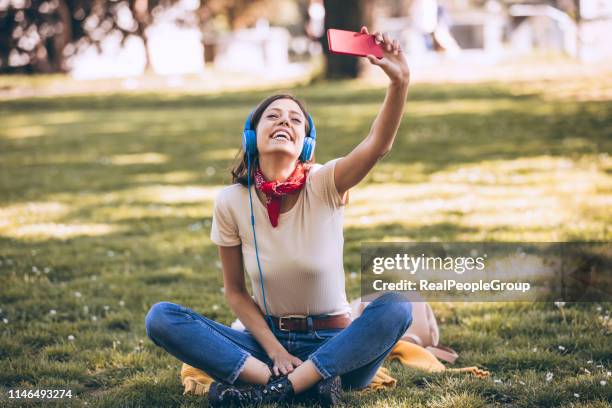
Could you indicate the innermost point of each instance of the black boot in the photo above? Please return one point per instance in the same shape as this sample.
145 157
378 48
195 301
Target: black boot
226 395
329 391
325 392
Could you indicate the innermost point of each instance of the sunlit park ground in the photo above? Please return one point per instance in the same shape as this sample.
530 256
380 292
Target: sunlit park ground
105 209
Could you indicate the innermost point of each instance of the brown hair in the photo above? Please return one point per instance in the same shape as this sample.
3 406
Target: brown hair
240 168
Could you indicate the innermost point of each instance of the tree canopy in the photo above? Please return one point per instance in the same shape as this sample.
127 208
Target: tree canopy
39 36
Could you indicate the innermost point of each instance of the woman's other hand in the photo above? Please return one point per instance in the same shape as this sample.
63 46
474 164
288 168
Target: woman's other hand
284 362
393 62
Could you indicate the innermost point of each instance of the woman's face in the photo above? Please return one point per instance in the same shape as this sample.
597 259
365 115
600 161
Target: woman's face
281 129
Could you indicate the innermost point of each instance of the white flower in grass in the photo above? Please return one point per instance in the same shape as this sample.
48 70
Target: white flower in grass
5 320
106 307
218 264
94 318
559 304
549 376
522 382
52 312
590 362
86 309
110 254
599 308
576 395
561 348
215 307
121 303
497 381
603 382
535 349
47 270
77 294
222 289
609 373
353 275
70 337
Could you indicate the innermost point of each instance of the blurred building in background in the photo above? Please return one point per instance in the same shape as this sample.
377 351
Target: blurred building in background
280 38
492 30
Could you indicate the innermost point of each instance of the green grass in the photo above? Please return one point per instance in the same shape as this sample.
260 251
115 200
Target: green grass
105 206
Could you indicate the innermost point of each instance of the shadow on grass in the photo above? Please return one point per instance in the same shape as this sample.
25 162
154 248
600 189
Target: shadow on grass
334 92
147 165
70 143
437 231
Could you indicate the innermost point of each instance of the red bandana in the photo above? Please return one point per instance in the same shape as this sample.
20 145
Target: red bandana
274 190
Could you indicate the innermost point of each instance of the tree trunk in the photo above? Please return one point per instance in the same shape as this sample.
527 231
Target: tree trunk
40 59
145 41
349 16
142 15
578 29
61 40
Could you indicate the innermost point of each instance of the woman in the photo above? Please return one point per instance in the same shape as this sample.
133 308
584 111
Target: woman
297 209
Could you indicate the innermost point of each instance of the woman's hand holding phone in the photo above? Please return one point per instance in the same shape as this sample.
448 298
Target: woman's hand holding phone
393 62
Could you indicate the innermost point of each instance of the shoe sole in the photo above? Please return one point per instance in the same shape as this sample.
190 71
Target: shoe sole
331 396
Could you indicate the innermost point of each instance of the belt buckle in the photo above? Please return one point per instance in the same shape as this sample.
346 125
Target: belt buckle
282 318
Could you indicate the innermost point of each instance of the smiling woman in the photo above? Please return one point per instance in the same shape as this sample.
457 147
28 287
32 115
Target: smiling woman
296 265
295 126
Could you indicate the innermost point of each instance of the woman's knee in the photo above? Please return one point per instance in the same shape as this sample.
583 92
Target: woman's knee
157 321
396 309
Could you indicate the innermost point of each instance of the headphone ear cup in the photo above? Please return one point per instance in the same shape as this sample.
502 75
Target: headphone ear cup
308 149
309 142
249 142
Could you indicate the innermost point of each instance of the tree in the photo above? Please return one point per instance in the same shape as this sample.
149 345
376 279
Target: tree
36 36
349 16
238 13
142 13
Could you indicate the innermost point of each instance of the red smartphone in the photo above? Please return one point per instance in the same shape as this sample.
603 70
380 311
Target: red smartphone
352 43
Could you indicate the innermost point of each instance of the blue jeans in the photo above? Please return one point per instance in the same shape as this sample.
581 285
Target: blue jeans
354 353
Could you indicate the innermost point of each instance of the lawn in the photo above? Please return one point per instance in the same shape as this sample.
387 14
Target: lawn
106 202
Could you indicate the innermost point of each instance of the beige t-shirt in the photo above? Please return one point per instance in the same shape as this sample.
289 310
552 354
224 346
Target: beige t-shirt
301 259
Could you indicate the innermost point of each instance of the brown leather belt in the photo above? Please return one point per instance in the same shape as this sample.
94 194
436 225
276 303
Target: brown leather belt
300 323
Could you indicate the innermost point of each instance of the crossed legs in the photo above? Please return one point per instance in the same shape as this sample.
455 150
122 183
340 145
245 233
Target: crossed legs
229 355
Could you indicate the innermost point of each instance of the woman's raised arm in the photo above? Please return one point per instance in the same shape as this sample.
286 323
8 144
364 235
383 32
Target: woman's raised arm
352 168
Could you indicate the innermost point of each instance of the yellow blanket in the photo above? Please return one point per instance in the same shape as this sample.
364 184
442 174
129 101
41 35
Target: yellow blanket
197 381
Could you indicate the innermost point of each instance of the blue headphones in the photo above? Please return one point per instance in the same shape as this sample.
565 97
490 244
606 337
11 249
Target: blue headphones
249 139
249 145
